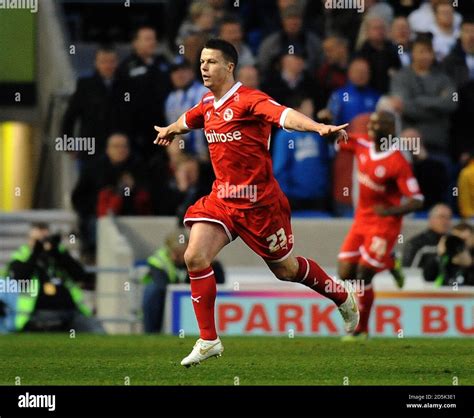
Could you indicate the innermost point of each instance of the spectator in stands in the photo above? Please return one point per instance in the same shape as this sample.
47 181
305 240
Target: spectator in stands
186 186
97 174
249 76
292 36
422 247
423 19
230 29
126 198
187 92
332 74
97 103
400 35
301 163
355 98
445 33
454 264
379 8
431 174
54 301
290 79
427 96
381 54
459 64
466 189
220 8
167 267
192 47
148 76
202 20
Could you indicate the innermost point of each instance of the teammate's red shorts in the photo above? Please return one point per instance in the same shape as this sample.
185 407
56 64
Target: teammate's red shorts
265 229
370 244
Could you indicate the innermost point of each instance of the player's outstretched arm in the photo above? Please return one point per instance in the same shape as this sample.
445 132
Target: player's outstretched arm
411 205
167 133
296 121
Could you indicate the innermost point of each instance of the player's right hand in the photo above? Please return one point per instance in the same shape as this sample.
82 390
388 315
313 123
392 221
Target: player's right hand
164 137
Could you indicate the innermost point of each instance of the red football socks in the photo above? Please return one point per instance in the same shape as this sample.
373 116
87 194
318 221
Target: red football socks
366 299
203 296
312 275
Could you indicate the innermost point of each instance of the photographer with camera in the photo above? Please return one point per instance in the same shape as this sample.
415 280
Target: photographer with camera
56 304
454 263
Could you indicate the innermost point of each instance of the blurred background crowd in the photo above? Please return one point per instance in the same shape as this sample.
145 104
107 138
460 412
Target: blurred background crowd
138 66
415 58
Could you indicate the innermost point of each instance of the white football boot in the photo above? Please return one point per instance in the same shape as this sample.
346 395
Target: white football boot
203 350
349 310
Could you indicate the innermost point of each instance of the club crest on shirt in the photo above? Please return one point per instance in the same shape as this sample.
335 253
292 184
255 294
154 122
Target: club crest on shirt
208 115
380 171
228 114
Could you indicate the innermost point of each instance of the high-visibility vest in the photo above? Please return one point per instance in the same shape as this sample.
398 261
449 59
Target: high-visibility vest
161 259
25 303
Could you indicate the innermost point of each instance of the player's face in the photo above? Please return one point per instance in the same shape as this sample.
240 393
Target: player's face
380 125
215 70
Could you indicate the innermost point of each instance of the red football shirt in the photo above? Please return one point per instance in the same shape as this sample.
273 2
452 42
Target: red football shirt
237 128
384 178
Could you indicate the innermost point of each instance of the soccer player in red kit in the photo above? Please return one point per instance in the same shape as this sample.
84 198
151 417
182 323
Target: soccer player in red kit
384 177
245 200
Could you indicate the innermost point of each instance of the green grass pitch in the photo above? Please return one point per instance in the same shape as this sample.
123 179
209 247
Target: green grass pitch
46 359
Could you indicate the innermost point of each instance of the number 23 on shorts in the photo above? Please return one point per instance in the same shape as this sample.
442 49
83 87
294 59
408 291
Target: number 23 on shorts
277 241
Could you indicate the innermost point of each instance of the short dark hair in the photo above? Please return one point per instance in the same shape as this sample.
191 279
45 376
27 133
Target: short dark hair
229 20
356 58
228 50
424 38
107 48
142 27
39 225
468 20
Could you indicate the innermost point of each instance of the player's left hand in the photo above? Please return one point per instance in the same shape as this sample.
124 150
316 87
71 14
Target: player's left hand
380 210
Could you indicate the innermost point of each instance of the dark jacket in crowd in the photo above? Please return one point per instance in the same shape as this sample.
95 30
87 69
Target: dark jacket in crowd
461 139
455 65
433 179
149 86
427 104
443 272
420 249
277 88
100 109
381 61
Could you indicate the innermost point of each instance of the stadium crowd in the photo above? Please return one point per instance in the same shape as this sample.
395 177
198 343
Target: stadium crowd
414 58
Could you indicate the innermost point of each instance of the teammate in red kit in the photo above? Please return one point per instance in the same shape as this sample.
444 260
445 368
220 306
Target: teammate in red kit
384 177
246 200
